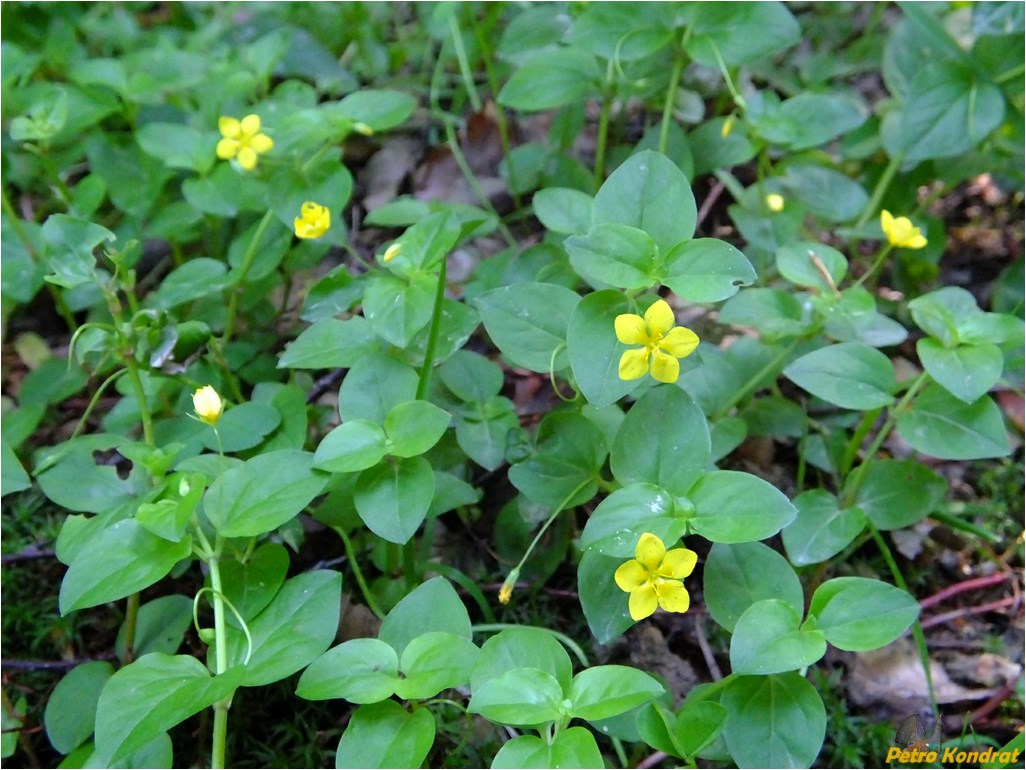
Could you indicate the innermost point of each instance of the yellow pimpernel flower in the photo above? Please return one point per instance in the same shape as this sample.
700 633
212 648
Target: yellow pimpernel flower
901 232
207 405
655 577
775 202
242 140
663 343
313 221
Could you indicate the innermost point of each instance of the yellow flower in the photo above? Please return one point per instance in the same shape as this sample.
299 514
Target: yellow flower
242 140
506 592
207 404
901 232
313 222
655 577
663 343
392 252
775 202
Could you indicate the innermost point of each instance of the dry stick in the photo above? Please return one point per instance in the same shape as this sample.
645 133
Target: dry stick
653 759
967 585
1000 604
707 653
709 202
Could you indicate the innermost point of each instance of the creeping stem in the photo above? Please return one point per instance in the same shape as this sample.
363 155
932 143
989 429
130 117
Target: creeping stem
432 344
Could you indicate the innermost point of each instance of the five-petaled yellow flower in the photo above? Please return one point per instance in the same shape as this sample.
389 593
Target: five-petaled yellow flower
207 404
313 222
242 140
901 232
655 577
775 202
663 343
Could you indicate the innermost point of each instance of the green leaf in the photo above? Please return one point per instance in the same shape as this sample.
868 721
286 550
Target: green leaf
671 454
767 640
858 614
570 453
528 323
773 721
360 670
967 371
393 497
849 374
795 262
433 606
738 576
811 119
737 33
119 561
328 182
518 697
70 714
152 695
773 312
943 426
707 270
601 692
822 528
13 477
197 278
735 507
424 245
898 493
352 446
385 735
947 112
482 435
594 349
243 427
563 210
374 385
397 310
572 747
559 77
330 344
524 647
619 521
251 585
177 145
604 604
649 192
615 255
160 627
263 493
470 376
381 109
435 661
297 626
825 192
70 243
413 427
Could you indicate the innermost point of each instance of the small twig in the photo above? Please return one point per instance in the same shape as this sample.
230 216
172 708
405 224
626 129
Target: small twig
709 202
49 665
707 653
27 554
967 585
652 759
323 384
1000 604
992 702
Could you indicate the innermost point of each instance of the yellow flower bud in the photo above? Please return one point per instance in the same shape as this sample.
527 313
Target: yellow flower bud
363 128
506 592
775 202
313 222
207 405
392 252
727 127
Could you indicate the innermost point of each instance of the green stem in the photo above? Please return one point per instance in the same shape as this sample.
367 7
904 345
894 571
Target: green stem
354 565
754 381
671 93
877 264
461 57
144 408
432 344
1013 74
548 523
881 188
569 643
244 268
220 733
500 113
603 127
852 448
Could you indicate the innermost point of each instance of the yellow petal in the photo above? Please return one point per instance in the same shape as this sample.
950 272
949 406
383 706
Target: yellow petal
630 329
631 575
250 125
650 551
917 241
642 603
207 404
672 596
665 368
227 148
229 127
679 342
659 318
678 563
634 364
886 222
261 143
247 158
